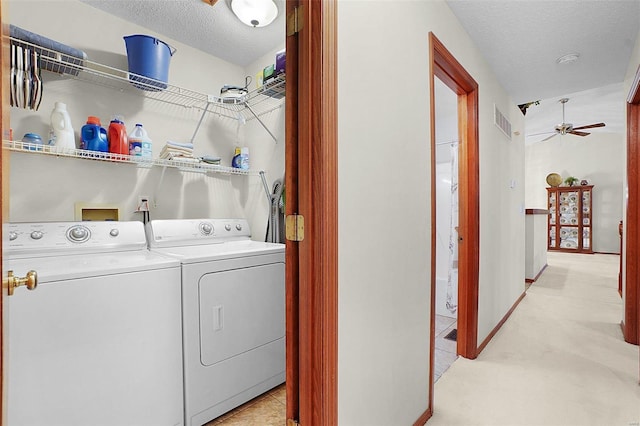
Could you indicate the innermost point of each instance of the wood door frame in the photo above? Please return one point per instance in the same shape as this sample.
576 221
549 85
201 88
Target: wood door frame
631 322
291 207
311 191
444 66
4 191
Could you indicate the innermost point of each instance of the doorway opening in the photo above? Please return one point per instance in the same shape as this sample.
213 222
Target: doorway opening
448 70
446 155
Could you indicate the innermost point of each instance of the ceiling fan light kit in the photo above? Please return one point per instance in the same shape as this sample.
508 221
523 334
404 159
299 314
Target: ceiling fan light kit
255 13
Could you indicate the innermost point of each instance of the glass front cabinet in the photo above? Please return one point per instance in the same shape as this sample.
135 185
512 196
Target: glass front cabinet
570 219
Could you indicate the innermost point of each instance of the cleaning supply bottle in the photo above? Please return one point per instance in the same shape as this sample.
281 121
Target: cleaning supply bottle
235 161
93 136
139 143
244 158
147 148
117 135
61 130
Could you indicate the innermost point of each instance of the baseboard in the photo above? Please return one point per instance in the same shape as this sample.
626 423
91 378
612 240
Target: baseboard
501 323
529 280
424 417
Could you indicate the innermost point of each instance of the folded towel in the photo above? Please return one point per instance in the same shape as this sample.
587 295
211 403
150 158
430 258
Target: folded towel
176 149
173 144
180 151
170 154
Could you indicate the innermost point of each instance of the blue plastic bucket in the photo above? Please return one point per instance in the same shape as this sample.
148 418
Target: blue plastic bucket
148 57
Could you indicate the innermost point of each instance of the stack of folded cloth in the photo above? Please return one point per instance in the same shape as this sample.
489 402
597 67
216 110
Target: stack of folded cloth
178 151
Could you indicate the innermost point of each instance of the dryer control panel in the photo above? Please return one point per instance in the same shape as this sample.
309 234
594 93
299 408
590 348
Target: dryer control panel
187 232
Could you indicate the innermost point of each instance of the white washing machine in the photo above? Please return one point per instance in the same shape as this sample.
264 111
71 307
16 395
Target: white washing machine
99 340
233 307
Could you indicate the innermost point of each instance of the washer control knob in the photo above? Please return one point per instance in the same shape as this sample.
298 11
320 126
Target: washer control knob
227 227
13 235
36 235
206 228
78 234
114 232
239 227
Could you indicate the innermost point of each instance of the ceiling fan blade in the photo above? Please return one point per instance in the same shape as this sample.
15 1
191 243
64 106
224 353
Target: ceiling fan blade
538 134
573 132
546 139
590 126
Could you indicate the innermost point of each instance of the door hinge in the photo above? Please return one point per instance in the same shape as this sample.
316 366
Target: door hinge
294 227
294 21
291 422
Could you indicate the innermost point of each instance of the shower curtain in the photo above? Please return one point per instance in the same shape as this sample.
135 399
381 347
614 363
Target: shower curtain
452 276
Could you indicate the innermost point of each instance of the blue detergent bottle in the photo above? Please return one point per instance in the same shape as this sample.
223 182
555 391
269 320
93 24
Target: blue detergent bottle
93 136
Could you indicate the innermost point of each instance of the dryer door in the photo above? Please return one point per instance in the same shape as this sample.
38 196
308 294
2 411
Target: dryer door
240 309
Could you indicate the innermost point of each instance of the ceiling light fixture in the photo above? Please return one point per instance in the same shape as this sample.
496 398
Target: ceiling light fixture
255 13
568 58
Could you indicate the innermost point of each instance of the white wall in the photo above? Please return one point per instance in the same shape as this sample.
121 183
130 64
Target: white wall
50 193
265 153
384 204
597 158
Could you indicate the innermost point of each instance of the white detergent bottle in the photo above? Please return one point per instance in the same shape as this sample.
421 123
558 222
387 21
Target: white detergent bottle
62 132
140 143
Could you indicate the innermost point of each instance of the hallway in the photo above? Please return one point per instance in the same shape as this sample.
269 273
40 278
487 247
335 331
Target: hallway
560 359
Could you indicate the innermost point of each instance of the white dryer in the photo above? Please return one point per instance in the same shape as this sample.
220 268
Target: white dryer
98 341
233 311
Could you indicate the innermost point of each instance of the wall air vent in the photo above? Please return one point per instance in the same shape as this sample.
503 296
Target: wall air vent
501 121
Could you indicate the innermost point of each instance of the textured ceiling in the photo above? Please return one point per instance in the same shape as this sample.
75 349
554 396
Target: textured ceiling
603 104
214 30
521 41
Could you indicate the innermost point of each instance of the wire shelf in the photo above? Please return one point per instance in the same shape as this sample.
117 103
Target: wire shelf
186 165
266 99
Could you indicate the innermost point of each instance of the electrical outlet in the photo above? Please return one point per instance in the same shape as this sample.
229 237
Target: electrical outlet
143 203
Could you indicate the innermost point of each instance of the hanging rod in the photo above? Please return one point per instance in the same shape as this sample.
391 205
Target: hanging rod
452 142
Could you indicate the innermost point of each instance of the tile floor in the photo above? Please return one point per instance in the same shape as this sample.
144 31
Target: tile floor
268 409
445 349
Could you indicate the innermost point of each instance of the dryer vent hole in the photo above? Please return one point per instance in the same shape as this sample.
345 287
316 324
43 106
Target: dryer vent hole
452 335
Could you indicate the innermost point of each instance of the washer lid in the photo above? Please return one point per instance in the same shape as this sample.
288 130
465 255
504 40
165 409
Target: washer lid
68 267
226 250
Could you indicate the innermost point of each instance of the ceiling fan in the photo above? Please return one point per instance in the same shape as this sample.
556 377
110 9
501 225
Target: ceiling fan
567 128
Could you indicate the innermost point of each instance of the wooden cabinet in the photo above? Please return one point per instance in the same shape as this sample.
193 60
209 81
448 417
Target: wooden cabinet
570 221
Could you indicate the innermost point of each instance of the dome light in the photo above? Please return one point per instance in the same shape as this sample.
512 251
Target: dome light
255 13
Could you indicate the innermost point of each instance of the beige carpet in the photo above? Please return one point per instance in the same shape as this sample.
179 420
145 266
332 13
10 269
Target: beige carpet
559 360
